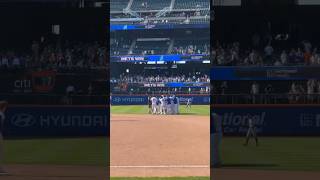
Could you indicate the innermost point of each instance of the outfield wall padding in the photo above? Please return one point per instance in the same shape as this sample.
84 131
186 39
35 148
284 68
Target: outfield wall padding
273 120
143 99
56 121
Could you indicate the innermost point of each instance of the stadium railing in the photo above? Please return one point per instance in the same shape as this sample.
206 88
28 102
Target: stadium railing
54 99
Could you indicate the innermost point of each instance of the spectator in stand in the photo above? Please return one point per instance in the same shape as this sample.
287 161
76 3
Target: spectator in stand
268 90
224 87
277 63
311 85
268 50
284 58
318 90
293 93
16 62
4 61
70 91
254 92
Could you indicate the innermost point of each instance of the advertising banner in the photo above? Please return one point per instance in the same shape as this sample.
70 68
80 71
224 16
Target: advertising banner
286 120
56 121
143 100
164 58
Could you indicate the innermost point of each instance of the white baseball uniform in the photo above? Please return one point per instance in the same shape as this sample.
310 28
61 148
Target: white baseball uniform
154 105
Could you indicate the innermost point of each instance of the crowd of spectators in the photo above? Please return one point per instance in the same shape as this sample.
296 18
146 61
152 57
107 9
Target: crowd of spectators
195 78
183 12
166 90
56 55
191 49
234 54
307 91
122 46
174 17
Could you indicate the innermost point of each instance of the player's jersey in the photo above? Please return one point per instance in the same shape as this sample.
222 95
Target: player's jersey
158 102
154 100
216 126
2 118
169 100
250 123
175 100
149 101
162 101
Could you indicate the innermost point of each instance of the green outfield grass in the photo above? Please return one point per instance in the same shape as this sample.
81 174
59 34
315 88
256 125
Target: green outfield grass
68 151
203 110
294 153
168 178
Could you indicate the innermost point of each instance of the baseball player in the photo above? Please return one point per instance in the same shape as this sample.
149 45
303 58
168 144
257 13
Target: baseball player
158 106
3 108
162 105
172 105
188 106
154 104
149 105
169 105
251 131
175 104
165 104
216 138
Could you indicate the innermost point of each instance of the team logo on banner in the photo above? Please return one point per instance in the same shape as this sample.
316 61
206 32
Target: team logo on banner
43 81
23 120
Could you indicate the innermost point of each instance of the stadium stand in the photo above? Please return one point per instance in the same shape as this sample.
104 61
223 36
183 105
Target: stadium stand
118 5
160 12
143 5
56 56
192 46
266 92
232 54
139 80
151 46
186 4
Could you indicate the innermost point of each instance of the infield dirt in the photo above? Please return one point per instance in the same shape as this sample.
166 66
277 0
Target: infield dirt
159 146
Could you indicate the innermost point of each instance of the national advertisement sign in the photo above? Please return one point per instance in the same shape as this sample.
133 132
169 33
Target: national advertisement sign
274 120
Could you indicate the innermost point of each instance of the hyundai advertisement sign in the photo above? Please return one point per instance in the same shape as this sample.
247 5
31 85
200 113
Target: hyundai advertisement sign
56 121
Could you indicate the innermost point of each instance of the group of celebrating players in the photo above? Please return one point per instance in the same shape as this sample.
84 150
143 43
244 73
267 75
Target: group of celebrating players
164 105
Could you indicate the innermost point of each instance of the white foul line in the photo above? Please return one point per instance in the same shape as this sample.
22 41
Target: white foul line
164 166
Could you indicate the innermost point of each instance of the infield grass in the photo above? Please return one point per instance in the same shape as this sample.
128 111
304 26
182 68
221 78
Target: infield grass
273 153
202 110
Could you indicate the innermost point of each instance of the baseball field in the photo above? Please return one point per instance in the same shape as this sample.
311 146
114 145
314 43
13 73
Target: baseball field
63 158
201 110
275 158
159 147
